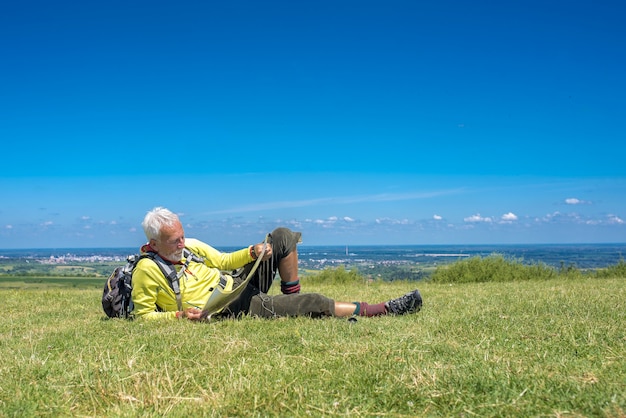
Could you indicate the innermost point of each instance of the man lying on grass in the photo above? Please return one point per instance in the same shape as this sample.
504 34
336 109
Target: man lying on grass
153 296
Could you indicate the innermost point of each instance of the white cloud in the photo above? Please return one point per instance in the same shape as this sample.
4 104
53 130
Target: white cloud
578 219
348 219
342 200
390 221
550 217
293 223
437 217
477 218
324 222
509 217
575 201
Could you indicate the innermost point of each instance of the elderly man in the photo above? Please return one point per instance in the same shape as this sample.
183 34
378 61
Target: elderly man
153 296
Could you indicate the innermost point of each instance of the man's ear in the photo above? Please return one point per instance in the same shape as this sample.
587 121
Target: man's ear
153 243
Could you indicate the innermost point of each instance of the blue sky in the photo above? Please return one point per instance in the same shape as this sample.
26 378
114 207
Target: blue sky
355 122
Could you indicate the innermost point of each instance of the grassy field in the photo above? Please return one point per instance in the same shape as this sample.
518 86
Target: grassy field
540 348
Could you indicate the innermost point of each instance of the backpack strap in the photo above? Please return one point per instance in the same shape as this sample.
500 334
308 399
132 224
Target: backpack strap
221 298
169 271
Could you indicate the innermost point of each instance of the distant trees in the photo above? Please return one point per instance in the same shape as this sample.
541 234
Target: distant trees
493 268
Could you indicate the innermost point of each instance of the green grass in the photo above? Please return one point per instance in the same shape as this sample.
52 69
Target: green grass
43 282
525 348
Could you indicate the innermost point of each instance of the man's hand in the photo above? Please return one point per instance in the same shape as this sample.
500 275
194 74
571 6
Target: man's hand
193 314
258 248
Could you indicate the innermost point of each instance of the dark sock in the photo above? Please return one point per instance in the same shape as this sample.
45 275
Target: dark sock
365 309
289 288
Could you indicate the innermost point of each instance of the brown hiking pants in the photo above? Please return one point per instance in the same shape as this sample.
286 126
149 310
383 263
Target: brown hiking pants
255 301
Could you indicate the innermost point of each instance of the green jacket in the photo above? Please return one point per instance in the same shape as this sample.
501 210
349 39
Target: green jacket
151 288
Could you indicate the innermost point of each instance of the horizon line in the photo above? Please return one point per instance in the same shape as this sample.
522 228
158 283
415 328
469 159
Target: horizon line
343 245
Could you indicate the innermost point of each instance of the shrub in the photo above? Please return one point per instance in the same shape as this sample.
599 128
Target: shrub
494 268
618 270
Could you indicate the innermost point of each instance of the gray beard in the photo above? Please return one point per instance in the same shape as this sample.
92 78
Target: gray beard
174 257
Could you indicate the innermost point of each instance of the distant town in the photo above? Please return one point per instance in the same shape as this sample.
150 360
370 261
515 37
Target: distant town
385 262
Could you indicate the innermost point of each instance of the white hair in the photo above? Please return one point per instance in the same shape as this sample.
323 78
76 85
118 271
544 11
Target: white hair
156 219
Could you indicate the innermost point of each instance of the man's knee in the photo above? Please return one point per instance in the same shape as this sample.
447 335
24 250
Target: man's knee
284 240
284 234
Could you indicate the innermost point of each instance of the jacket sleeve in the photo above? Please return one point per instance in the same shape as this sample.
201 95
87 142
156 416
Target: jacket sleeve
217 259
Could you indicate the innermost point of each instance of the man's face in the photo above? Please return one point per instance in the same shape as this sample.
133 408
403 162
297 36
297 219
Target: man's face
171 243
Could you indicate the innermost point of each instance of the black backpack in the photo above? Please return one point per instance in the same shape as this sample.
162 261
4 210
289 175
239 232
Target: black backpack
116 296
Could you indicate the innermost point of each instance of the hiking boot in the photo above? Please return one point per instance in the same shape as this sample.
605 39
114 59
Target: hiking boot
409 303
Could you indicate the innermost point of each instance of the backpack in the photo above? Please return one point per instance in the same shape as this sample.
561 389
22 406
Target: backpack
116 296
